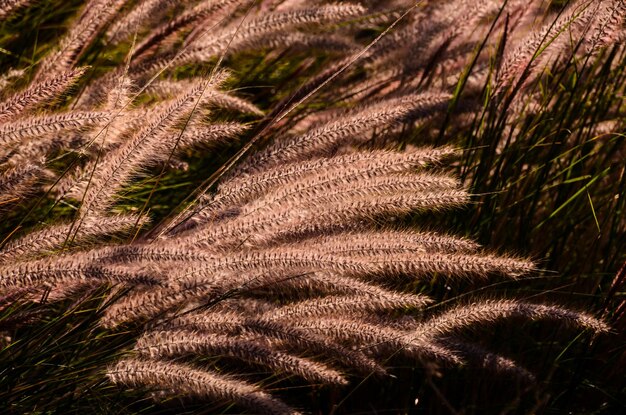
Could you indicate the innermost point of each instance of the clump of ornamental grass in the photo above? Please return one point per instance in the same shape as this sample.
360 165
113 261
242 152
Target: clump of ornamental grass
292 264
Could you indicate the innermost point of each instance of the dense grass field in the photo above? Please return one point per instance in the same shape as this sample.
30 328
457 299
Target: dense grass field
226 206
